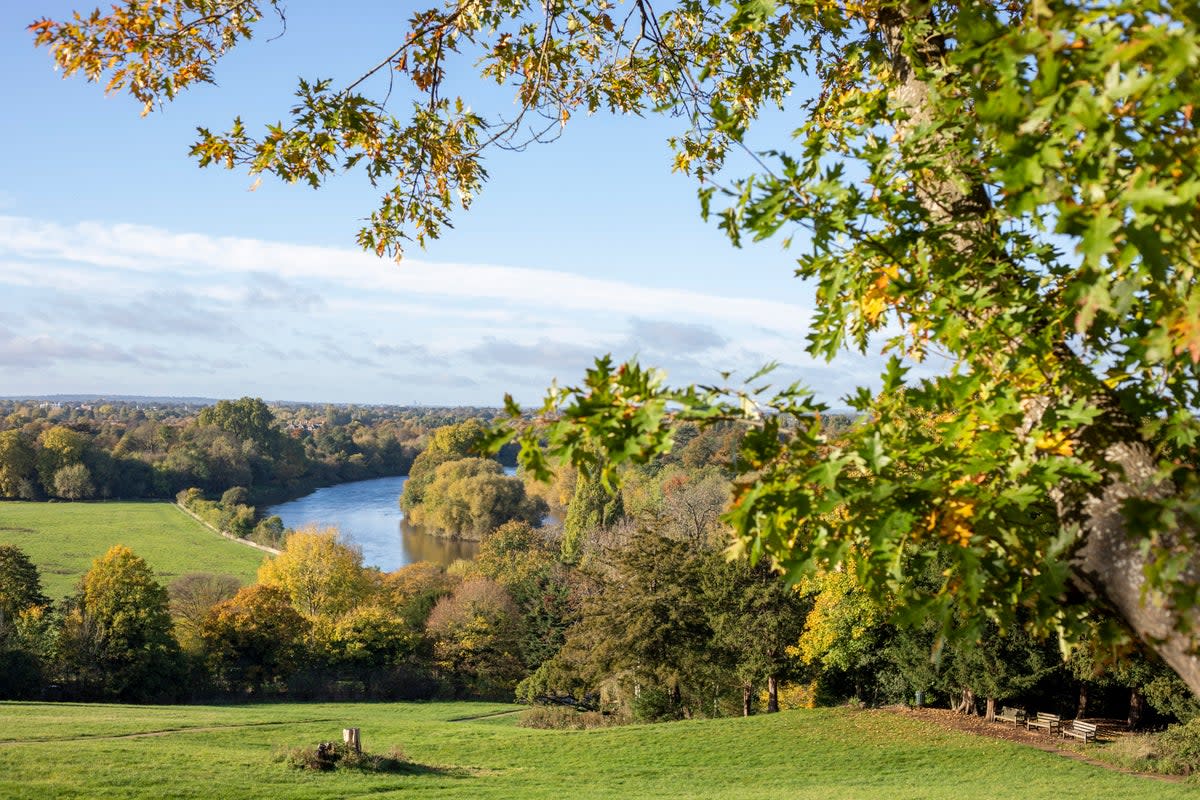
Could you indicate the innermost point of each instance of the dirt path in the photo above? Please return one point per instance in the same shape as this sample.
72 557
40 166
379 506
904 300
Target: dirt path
225 535
160 732
485 716
978 726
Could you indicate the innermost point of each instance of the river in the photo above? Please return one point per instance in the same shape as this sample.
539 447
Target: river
368 515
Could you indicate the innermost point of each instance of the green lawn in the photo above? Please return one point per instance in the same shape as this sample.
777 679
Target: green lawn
64 538
60 751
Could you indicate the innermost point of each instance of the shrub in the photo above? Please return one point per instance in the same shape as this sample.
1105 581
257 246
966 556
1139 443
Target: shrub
336 755
1175 751
565 718
1179 749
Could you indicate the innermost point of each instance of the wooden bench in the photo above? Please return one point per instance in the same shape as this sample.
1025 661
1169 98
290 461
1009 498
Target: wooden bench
1051 722
1014 715
1085 731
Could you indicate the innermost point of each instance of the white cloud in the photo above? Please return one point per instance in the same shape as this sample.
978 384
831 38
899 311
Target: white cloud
304 322
143 249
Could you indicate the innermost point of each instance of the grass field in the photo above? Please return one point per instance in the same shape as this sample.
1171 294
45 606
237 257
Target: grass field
64 538
474 750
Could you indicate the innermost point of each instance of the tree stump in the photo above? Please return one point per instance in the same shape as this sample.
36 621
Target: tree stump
351 739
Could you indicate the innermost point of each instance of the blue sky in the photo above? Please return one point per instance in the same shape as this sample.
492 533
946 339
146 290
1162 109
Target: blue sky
126 269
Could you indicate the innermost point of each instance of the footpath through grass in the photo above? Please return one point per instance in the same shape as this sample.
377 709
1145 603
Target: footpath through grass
64 538
73 751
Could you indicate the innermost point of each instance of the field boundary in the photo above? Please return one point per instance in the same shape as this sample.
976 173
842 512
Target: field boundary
226 534
486 715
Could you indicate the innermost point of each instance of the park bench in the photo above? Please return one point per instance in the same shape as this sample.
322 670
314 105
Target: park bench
1014 715
1051 722
1085 731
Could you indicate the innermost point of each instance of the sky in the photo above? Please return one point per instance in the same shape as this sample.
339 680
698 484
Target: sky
125 269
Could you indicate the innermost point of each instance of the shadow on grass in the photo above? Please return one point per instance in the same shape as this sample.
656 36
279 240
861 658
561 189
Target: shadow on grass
423 770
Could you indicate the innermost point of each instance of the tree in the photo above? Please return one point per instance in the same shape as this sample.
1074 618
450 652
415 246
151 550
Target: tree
756 619
73 482
58 447
447 443
248 419
120 627
20 584
17 466
254 638
845 635
192 597
591 508
23 624
518 557
1011 186
476 633
372 637
649 625
322 576
415 588
998 667
470 497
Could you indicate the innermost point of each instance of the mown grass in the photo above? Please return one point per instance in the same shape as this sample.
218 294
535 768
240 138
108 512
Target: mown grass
64 538
825 754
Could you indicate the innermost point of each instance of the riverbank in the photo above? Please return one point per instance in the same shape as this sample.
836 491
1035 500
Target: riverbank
368 515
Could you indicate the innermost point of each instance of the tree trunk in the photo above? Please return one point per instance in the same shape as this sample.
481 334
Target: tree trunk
966 703
1109 565
747 696
1136 707
990 714
1081 708
772 694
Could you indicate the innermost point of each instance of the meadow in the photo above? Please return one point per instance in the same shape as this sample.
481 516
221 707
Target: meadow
63 539
477 750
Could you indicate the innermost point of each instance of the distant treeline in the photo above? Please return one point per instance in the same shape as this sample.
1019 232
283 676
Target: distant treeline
129 450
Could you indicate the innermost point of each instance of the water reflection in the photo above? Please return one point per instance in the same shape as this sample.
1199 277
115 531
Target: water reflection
368 515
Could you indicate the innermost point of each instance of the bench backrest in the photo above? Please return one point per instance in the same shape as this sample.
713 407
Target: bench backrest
1044 717
1089 727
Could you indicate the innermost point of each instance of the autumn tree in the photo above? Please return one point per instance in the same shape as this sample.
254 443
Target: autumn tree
192 596
372 637
23 614
321 575
1010 186
447 443
117 631
59 449
254 639
476 633
18 476
248 419
73 482
518 557
469 497
415 588
845 636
